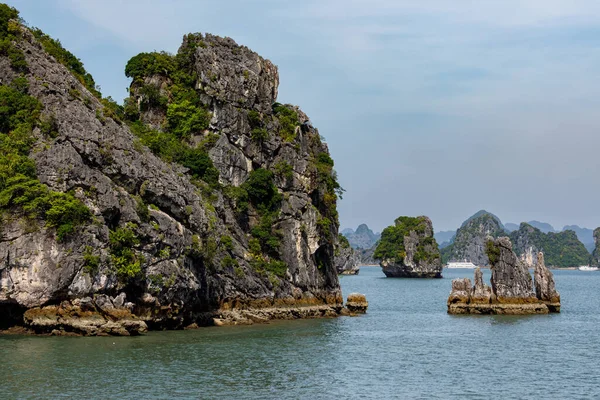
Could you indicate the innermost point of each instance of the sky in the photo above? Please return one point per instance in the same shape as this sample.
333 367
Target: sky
437 108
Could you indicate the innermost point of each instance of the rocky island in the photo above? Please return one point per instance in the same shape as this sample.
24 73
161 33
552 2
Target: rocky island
469 241
561 249
408 249
512 290
200 201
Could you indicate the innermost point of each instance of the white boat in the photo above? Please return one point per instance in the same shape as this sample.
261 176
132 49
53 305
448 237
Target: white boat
461 264
587 268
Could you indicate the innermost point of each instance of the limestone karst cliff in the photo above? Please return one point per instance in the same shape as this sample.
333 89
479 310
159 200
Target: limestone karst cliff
561 249
595 258
408 249
470 239
201 199
512 288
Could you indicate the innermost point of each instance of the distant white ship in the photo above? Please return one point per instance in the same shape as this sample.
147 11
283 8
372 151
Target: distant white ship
587 268
462 264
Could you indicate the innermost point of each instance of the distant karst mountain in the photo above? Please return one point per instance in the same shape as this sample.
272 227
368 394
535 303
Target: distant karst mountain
561 249
469 242
542 226
585 235
509 227
362 238
444 238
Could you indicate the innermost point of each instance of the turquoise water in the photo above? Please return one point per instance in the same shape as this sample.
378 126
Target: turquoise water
405 347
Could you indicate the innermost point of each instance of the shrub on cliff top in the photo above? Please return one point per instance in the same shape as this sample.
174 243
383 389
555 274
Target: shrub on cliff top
492 251
391 244
148 64
6 14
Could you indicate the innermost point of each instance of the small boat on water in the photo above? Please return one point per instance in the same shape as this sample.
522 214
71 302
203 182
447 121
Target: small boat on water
587 268
461 264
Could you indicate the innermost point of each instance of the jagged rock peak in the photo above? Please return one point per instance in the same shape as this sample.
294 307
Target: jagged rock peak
545 288
510 278
232 73
408 249
511 290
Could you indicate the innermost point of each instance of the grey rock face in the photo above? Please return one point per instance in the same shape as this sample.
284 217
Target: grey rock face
481 293
545 288
235 74
175 220
461 291
510 278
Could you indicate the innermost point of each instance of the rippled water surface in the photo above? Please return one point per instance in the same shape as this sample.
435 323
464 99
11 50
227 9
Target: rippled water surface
405 347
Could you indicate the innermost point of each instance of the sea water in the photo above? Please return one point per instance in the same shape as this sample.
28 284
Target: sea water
405 347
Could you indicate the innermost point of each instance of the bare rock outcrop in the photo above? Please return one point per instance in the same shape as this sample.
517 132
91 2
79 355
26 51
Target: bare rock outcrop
545 289
511 281
357 303
511 290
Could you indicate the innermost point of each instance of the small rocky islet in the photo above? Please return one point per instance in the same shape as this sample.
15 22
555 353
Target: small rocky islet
512 290
408 249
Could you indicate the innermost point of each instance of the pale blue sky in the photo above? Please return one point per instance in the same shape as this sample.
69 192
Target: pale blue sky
431 107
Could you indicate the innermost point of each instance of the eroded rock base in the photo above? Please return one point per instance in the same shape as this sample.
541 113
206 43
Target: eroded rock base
264 315
354 271
499 309
68 319
357 303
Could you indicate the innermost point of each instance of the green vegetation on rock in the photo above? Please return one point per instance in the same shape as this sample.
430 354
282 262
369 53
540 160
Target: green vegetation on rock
20 190
492 251
391 244
561 249
125 261
288 121
148 64
170 148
